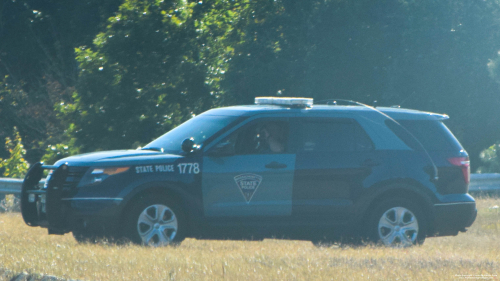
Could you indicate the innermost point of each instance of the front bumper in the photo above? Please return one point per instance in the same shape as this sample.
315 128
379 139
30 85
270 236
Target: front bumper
56 207
450 218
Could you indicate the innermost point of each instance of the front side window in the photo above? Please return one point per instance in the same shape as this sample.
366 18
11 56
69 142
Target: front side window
200 128
258 137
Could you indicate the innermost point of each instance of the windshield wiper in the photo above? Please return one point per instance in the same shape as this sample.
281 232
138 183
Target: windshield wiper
159 149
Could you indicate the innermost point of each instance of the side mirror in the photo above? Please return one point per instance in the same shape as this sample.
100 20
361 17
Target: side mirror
188 145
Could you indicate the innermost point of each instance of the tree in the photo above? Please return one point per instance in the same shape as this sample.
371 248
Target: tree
38 63
490 159
18 110
157 64
15 166
144 66
426 55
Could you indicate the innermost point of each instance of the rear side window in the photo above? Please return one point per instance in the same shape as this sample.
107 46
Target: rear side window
433 135
327 135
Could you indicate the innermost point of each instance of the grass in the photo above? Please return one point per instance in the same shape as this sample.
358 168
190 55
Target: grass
471 255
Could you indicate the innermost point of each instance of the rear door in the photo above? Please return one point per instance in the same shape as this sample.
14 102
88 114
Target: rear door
333 158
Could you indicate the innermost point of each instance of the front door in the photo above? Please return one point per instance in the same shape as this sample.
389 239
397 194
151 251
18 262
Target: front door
250 172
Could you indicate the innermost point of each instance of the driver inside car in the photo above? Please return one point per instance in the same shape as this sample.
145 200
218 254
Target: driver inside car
273 138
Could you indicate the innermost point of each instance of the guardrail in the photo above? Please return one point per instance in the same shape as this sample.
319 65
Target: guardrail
479 183
12 186
484 183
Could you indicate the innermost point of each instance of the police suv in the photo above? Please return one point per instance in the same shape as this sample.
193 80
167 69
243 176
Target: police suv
284 167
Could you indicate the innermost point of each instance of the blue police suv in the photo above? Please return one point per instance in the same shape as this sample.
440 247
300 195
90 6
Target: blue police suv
284 167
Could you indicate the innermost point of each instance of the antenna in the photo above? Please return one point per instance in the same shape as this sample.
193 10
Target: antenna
409 96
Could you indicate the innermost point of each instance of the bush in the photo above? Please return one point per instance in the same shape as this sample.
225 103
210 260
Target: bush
15 166
490 158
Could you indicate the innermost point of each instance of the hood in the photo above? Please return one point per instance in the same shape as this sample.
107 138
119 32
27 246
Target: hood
118 157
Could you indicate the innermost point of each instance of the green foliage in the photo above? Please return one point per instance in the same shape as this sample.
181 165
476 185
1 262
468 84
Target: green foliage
15 166
58 151
155 65
64 146
37 44
18 110
490 158
144 66
428 55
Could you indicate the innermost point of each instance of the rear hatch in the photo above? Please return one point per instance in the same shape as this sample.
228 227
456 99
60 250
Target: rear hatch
450 158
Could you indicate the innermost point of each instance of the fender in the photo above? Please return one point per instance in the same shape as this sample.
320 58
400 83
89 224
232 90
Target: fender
402 187
191 202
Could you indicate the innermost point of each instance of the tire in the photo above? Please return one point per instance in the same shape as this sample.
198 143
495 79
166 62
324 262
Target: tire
397 223
156 222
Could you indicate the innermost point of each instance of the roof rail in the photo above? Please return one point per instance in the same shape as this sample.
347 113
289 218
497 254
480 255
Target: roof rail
339 102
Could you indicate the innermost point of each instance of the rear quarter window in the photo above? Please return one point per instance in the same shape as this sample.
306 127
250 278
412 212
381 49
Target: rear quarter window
434 135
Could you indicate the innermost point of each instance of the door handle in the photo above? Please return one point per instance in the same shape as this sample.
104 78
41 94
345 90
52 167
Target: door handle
275 165
370 163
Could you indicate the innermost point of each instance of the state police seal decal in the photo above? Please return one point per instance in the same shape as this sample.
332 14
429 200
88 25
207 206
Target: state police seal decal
248 184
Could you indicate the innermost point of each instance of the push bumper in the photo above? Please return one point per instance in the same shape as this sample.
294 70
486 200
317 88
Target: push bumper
55 207
36 207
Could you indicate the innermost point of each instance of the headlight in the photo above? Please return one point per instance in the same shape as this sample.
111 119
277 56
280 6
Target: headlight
47 179
97 175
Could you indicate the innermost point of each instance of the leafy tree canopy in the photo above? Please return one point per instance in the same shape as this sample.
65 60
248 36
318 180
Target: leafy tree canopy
427 55
490 159
122 72
37 63
157 64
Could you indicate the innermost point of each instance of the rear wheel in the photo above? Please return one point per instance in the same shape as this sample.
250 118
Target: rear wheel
397 223
156 222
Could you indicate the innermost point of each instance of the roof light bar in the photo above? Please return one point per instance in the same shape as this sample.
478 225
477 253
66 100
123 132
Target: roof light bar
298 102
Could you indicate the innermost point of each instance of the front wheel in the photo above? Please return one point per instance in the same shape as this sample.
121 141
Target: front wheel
156 222
397 223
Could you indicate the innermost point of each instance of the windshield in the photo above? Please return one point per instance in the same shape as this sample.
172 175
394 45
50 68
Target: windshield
200 128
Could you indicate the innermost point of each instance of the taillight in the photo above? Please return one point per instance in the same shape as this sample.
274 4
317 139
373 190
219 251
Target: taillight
464 163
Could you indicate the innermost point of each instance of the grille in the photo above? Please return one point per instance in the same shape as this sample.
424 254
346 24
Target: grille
75 174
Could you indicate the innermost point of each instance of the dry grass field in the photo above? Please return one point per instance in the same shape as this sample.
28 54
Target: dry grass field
473 255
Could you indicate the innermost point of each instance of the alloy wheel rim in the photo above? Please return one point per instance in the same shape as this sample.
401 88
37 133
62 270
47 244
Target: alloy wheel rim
157 225
398 227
